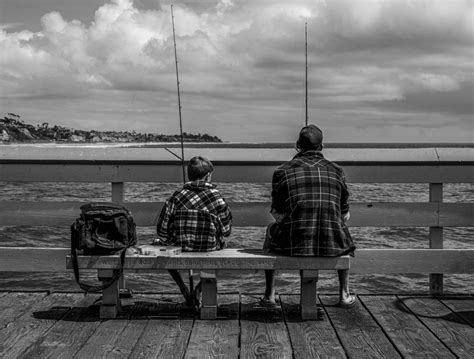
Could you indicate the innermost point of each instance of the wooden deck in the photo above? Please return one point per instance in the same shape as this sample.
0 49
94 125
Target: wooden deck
67 325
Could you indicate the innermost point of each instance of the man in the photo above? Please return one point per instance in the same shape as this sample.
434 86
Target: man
195 218
310 206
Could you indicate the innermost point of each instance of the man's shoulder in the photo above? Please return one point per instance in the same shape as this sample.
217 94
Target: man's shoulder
333 165
294 162
297 163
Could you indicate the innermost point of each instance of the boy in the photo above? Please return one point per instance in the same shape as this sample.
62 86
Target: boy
196 218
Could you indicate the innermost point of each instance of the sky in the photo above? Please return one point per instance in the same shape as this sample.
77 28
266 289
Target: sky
378 71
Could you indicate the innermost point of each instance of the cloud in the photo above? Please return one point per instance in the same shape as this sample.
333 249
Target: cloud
458 100
246 58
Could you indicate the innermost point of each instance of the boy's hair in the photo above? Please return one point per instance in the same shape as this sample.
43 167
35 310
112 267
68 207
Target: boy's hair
198 167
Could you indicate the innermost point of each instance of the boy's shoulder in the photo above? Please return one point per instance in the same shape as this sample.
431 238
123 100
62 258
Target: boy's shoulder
214 190
187 193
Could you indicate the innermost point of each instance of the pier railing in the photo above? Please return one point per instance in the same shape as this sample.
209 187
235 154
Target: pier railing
117 166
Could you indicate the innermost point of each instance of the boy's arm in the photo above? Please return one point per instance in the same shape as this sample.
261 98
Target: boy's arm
225 217
163 225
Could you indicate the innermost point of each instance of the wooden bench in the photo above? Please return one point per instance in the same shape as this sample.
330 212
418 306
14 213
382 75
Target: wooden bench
209 263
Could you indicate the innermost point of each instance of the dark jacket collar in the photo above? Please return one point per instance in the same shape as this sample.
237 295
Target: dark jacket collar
198 185
309 153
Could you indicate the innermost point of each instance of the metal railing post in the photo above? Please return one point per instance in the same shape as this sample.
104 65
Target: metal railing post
436 239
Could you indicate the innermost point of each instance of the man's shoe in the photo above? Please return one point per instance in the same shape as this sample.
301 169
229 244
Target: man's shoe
125 293
352 300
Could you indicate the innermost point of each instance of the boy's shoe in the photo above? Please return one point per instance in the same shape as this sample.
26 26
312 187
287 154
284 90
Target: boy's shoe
267 303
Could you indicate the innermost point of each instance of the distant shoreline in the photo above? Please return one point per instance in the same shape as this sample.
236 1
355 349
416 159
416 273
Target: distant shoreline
326 145
282 145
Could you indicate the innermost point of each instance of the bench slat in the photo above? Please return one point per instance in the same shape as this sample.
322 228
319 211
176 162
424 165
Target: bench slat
224 259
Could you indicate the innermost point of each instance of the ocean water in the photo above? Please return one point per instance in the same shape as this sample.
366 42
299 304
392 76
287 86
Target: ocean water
242 237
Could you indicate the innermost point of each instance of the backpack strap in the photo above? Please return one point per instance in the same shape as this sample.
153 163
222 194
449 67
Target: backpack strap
89 288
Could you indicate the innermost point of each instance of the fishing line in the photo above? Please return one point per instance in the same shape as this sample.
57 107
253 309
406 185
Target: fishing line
179 97
190 272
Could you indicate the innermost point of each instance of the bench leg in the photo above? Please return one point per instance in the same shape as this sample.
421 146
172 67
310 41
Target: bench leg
110 296
308 299
209 295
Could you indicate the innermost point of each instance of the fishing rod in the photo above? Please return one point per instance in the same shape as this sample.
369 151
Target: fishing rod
306 71
176 275
179 98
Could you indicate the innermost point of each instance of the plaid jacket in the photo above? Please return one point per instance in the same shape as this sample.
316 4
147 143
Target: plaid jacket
312 194
196 218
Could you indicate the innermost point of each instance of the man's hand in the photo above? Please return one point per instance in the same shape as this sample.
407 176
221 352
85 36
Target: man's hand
346 217
277 215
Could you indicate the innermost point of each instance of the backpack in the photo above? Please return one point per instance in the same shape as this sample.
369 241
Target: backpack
102 229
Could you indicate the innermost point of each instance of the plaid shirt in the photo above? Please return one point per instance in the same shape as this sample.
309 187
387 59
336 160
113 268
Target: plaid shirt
311 193
196 218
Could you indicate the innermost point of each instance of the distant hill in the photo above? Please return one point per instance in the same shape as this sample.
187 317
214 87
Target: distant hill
13 129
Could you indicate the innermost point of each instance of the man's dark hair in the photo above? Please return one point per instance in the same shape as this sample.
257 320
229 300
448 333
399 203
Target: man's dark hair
310 138
198 167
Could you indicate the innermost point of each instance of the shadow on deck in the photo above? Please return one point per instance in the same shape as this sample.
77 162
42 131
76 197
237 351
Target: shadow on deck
39 325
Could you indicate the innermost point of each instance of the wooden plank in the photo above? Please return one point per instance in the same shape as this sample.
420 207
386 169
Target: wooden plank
308 294
229 151
463 307
27 259
117 338
456 214
228 171
403 328
263 331
14 304
436 279
366 261
26 329
102 343
217 338
118 192
163 339
407 174
245 214
111 304
208 295
69 334
463 154
166 331
310 338
359 334
413 261
87 172
127 339
452 330
436 239
217 152
401 214
229 258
